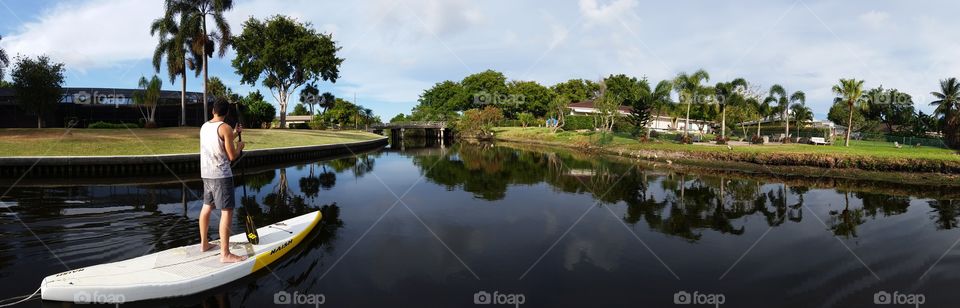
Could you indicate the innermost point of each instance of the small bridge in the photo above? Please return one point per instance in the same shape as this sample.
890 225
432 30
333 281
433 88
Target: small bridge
432 129
413 124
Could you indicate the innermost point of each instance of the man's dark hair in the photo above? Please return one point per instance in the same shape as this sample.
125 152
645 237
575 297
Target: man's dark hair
221 106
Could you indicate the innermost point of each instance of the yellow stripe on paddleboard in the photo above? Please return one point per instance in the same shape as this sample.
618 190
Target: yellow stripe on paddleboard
266 258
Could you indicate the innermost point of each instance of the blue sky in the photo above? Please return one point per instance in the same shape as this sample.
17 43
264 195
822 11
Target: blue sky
394 49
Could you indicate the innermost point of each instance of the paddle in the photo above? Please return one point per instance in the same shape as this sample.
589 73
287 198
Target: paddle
249 226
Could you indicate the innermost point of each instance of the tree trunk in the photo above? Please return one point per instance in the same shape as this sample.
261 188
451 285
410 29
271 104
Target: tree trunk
39 121
786 123
283 109
758 127
205 79
846 141
686 125
183 96
723 123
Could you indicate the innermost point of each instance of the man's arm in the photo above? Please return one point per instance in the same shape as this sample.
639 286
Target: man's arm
233 150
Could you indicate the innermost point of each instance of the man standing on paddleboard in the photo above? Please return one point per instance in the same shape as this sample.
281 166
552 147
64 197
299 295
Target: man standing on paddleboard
217 151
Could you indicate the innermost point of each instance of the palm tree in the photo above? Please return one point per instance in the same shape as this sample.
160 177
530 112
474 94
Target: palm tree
659 96
690 88
194 15
147 98
947 103
4 61
801 113
728 93
310 95
174 47
849 91
763 111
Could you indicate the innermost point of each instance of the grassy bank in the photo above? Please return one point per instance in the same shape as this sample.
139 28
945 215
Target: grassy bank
101 142
863 155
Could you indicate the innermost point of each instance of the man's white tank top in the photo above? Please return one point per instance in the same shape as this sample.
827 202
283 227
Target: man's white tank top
214 162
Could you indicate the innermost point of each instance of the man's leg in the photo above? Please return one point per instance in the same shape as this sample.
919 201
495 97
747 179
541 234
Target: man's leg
204 226
226 217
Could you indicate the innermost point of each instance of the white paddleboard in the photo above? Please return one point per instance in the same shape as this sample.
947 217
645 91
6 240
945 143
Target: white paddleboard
178 271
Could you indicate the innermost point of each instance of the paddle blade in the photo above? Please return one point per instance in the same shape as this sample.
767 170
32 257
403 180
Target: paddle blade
252 236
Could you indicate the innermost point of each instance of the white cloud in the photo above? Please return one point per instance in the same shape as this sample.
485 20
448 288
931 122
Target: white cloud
93 34
595 11
875 19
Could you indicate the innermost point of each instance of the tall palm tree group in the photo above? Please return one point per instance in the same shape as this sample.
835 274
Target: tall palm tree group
185 41
947 104
691 89
783 102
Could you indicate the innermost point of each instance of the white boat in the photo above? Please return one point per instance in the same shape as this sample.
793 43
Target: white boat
178 271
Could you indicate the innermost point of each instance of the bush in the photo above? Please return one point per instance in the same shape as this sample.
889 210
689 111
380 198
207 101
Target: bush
685 139
721 140
756 139
575 122
299 126
107 125
317 123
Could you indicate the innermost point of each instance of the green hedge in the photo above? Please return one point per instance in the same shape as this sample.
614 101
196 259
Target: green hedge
108 125
575 122
769 131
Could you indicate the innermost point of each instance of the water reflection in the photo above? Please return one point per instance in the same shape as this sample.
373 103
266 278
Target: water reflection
580 230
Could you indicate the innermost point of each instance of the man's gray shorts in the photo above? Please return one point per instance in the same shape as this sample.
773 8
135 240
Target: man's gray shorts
218 193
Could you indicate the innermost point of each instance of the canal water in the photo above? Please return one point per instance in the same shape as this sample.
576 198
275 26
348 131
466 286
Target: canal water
428 226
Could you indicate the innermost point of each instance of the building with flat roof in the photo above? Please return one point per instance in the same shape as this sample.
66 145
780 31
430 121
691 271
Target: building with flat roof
85 106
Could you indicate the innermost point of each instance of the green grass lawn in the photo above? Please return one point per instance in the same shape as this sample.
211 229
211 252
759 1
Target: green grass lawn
99 142
857 148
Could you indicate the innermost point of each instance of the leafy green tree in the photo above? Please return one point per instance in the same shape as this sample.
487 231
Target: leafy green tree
479 122
530 96
577 90
193 23
691 90
947 103
840 113
608 105
526 118
398 118
38 85
300 110
889 107
326 101
257 111
4 61
445 98
487 85
558 110
727 94
147 98
849 91
285 54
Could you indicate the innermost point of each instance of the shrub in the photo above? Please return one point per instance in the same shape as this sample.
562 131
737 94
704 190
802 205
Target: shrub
107 125
299 126
756 139
685 139
721 140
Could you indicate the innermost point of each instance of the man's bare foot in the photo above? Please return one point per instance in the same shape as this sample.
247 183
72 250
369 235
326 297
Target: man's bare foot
207 247
231 258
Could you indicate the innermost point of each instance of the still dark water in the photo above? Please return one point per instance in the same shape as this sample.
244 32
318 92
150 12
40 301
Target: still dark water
555 229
